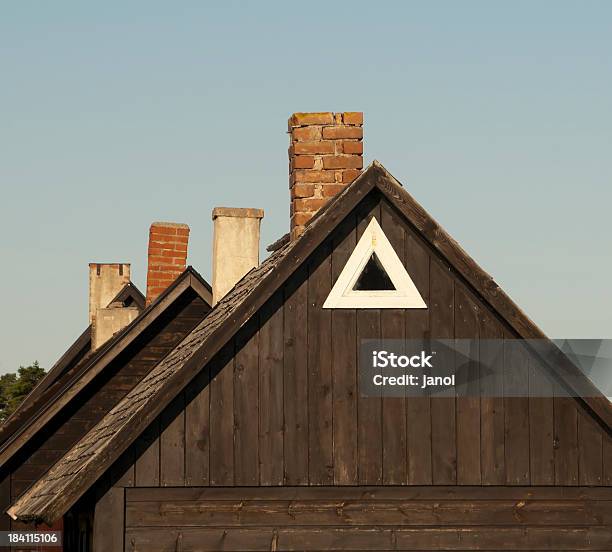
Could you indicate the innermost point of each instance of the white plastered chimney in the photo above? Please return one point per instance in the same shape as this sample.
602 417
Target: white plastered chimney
106 280
235 246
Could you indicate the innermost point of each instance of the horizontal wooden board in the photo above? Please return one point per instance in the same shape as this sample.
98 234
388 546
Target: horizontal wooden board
257 513
369 539
382 493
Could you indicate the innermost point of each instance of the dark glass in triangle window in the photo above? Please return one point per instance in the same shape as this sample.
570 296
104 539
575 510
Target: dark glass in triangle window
373 277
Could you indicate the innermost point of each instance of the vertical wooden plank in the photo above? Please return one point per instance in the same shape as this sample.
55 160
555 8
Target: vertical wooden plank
146 472
418 409
271 392
122 471
607 460
320 413
197 430
295 395
541 428
590 451
566 438
109 521
222 417
492 439
516 411
392 325
369 409
5 502
394 448
246 405
443 420
467 379
172 444
344 363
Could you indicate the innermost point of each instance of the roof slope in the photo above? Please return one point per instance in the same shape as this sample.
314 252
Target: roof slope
51 496
39 410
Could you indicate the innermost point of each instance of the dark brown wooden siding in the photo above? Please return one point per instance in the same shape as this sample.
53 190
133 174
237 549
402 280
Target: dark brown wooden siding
280 404
104 392
365 519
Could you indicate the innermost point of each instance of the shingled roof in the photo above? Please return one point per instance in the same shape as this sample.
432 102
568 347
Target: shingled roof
80 468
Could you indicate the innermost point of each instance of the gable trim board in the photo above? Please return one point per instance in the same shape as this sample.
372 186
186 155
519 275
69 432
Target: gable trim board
374 242
65 483
73 355
54 399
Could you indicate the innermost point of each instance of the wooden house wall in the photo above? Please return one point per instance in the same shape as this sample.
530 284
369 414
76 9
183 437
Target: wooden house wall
279 405
100 396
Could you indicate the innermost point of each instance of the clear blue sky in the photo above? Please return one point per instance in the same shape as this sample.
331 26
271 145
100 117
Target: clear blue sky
496 116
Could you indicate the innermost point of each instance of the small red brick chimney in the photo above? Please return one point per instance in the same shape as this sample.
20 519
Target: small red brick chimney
167 257
325 155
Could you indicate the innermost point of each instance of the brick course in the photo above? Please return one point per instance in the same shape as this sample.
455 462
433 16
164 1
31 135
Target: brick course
325 155
167 256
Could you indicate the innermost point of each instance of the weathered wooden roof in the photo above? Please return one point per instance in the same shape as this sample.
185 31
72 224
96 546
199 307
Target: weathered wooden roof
71 379
275 246
66 482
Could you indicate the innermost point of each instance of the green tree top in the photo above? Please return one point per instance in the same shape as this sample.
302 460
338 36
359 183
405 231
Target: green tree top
15 387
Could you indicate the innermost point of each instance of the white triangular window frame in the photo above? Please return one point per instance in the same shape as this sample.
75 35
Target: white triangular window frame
404 296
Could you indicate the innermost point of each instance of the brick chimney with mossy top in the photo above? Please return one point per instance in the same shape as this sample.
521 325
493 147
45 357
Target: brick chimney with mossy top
325 155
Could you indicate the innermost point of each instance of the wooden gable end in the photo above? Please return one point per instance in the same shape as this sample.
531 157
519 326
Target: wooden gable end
280 404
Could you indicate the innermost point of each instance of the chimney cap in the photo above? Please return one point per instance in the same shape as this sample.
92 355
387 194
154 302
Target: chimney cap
238 212
172 224
117 265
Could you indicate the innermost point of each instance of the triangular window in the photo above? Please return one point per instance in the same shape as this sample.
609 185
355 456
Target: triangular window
374 277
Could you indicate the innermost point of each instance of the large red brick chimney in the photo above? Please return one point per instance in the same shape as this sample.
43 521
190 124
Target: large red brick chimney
167 257
325 155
